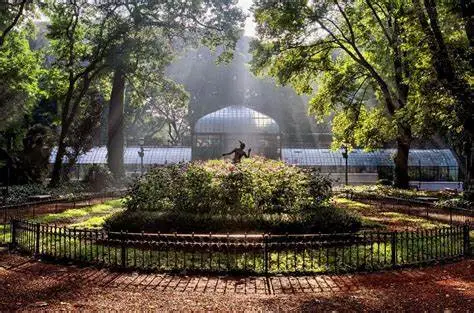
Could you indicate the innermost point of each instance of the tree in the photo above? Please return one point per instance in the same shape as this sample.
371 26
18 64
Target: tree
158 106
452 66
81 38
20 69
211 22
85 126
344 53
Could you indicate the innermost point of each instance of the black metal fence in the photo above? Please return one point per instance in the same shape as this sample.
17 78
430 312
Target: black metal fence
259 254
33 209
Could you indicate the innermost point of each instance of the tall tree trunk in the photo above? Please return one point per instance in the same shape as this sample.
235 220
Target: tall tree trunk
115 140
401 178
56 175
401 75
468 168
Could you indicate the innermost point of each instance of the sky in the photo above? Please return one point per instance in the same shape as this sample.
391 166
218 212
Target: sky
249 24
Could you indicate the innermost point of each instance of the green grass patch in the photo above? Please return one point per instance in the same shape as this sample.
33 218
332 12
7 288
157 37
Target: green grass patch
86 217
5 234
413 221
380 217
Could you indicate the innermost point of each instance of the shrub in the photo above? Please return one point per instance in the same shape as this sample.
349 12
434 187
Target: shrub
324 219
98 178
255 186
21 193
257 195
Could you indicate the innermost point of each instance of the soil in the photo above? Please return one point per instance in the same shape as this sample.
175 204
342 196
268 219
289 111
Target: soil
27 285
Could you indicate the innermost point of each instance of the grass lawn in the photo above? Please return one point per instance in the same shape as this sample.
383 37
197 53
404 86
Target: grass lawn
87 217
378 217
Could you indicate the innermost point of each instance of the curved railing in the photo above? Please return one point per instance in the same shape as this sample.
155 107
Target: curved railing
258 254
32 209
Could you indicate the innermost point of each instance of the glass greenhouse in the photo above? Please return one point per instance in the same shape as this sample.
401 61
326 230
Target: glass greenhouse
425 165
153 156
220 132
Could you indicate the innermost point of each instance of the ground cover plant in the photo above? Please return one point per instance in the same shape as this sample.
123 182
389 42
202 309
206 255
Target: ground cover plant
18 194
381 191
257 195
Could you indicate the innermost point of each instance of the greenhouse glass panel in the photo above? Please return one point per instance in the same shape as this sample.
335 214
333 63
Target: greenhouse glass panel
220 132
358 157
236 119
152 155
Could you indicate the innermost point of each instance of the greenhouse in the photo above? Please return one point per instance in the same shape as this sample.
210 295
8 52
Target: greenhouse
219 132
424 165
153 156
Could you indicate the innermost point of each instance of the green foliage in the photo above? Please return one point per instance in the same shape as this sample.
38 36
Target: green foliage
255 186
20 193
382 191
37 146
256 195
98 178
367 61
157 110
20 69
321 218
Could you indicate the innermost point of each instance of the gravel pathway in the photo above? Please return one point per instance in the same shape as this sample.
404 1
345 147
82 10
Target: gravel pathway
27 285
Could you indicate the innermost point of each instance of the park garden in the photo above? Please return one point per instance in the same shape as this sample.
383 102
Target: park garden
117 119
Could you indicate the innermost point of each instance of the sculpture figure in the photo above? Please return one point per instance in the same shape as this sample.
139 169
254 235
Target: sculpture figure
239 153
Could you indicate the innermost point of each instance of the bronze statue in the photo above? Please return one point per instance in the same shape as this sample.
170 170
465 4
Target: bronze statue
239 153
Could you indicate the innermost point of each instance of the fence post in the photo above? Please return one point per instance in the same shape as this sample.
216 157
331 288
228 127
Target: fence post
123 252
394 249
265 254
37 240
467 244
13 225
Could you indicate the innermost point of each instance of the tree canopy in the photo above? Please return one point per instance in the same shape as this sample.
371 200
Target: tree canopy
366 62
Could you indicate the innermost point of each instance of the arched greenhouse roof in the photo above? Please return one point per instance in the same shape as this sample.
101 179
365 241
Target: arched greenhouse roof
358 157
236 119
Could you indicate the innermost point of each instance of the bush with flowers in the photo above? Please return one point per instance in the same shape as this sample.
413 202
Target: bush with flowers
256 194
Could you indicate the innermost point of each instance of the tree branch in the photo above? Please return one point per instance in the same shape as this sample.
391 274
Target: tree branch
379 21
12 24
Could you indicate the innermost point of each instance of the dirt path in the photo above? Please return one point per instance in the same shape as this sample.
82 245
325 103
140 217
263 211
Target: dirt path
35 286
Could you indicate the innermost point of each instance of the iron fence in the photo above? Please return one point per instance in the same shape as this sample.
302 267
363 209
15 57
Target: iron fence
259 254
32 209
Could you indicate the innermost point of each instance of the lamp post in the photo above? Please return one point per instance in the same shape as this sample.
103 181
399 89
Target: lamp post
141 153
345 155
